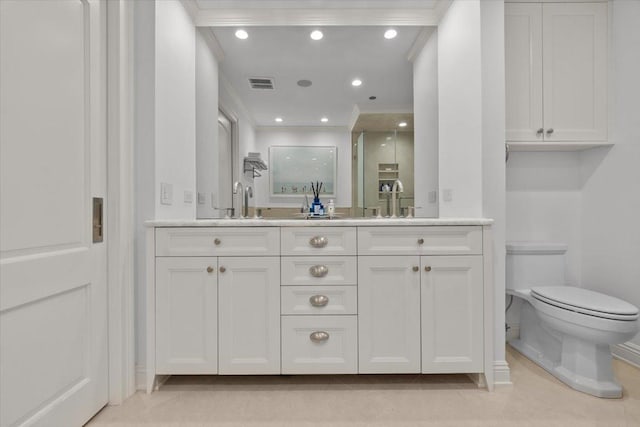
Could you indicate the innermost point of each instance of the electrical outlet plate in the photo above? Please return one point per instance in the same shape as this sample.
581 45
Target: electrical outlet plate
202 198
166 193
447 195
188 196
433 196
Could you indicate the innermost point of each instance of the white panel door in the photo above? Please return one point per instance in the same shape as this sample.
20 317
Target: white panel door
53 297
389 314
249 315
186 315
575 71
452 314
523 64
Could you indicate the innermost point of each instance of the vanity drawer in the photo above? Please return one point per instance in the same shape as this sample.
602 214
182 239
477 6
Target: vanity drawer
319 270
410 240
215 241
319 300
319 344
318 240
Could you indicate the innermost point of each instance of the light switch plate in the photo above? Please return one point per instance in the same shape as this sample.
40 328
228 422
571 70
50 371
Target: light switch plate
447 195
166 193
433 196
188 196
202 198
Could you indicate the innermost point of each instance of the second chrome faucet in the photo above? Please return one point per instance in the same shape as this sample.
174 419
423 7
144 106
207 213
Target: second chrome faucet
245 192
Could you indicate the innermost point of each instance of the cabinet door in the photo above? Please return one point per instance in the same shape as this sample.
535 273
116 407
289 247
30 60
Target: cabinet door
575 71
186 316
452 314
249 292
523 71
389 314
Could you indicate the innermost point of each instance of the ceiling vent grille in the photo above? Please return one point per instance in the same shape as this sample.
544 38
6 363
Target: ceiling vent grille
261 83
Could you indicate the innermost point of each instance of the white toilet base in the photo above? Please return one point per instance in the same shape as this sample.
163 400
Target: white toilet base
606 386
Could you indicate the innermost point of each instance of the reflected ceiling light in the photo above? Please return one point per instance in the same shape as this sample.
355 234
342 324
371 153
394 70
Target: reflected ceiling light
242 34
402 124
390 34
279 119
356 82
316 35
324 120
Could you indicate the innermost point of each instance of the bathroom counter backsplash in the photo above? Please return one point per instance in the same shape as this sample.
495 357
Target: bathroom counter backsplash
300 222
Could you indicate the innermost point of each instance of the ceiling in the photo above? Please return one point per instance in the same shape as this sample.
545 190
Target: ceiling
287 54
377 122
355 4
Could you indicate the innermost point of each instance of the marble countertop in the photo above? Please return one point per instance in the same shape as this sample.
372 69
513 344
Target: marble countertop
300 222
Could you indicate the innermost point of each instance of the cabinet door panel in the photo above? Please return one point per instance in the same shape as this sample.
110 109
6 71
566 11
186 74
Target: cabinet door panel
452 314
186 316
575 71
249 315
389 314
523 64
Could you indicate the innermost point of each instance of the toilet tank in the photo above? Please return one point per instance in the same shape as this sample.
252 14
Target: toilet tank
532 264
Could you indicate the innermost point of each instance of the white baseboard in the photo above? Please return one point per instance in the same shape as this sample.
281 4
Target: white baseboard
628 352
141 377
501 372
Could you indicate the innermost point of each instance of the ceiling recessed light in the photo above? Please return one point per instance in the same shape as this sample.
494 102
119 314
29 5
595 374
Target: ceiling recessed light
402 124
304 83
316 35
324 120
279 119
390 34
242 34
356 82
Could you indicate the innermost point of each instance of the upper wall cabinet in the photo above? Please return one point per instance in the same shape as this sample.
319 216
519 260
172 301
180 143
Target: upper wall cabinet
556 74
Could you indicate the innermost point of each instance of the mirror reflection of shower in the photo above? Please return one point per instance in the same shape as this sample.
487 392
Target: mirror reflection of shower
380 158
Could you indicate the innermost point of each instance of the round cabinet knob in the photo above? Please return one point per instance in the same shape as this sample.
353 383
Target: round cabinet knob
318 270
222 269
319 336
217 241
540 131
549 131
420 241
319 300
427 268
318 241
416 268
209 269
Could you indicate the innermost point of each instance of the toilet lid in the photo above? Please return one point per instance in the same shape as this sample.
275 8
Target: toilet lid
585 301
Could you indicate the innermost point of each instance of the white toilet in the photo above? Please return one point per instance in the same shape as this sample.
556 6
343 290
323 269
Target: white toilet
564 329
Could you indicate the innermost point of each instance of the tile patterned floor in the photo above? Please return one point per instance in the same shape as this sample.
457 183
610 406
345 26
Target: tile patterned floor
535 399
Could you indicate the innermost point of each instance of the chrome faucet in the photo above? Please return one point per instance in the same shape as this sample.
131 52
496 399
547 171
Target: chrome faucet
248 192
238 186
397 187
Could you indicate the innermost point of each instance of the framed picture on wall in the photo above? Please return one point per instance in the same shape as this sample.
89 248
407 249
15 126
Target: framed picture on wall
293 169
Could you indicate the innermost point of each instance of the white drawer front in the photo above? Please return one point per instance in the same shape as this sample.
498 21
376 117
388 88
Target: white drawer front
318 241
307 350
319 270
319 300
214 241
451 240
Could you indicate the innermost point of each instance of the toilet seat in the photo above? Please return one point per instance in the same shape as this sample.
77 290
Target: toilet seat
585 302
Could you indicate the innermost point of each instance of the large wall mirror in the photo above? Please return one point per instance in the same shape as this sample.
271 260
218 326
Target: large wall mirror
347 86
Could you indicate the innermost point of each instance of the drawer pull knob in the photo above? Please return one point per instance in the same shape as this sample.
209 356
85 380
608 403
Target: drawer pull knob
319 336
427 268
318 270
209 269
222 269
420 241
416 268
319 300
216 241
318 241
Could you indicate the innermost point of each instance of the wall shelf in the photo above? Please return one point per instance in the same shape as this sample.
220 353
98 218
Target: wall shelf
556 146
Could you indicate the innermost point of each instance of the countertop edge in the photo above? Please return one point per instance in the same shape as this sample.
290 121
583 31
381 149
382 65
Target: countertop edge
351 222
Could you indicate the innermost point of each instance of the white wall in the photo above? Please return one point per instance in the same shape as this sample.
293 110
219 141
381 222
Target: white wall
610 197
341 138
206 127
175 107
460 116
493 165
425 113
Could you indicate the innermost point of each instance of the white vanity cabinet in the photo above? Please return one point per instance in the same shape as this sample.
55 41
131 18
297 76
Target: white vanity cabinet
341 297
556 72
420 313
